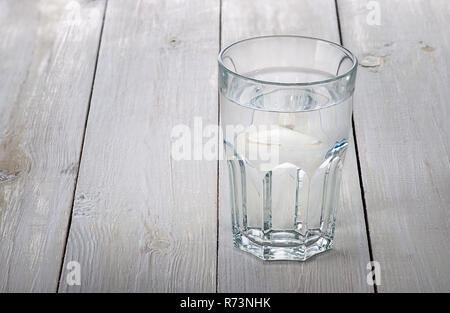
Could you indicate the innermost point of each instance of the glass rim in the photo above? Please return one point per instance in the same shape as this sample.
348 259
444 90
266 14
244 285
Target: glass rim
267 82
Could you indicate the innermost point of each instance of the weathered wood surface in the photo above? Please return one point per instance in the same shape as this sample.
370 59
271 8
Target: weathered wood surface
143 221
47 51
342 269
402 122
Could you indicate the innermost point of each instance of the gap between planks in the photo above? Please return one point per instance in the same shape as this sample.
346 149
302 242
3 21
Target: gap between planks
358 164
218 156
81 151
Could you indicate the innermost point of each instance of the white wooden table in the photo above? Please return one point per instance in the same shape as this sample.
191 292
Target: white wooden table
89 93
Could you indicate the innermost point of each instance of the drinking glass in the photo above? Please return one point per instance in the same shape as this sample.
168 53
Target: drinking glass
286 106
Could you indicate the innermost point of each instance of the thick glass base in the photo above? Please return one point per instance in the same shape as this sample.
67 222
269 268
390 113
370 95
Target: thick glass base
271 252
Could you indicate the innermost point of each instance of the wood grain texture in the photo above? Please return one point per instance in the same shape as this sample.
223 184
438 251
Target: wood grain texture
342 269
143 221
401 117
47 51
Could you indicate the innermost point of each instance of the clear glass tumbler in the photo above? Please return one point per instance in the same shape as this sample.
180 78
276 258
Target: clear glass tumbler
286 105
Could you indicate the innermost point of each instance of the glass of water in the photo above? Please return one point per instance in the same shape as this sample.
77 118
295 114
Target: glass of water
286 106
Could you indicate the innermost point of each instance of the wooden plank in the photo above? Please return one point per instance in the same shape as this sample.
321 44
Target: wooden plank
401 118
341 269
48 52
143 221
